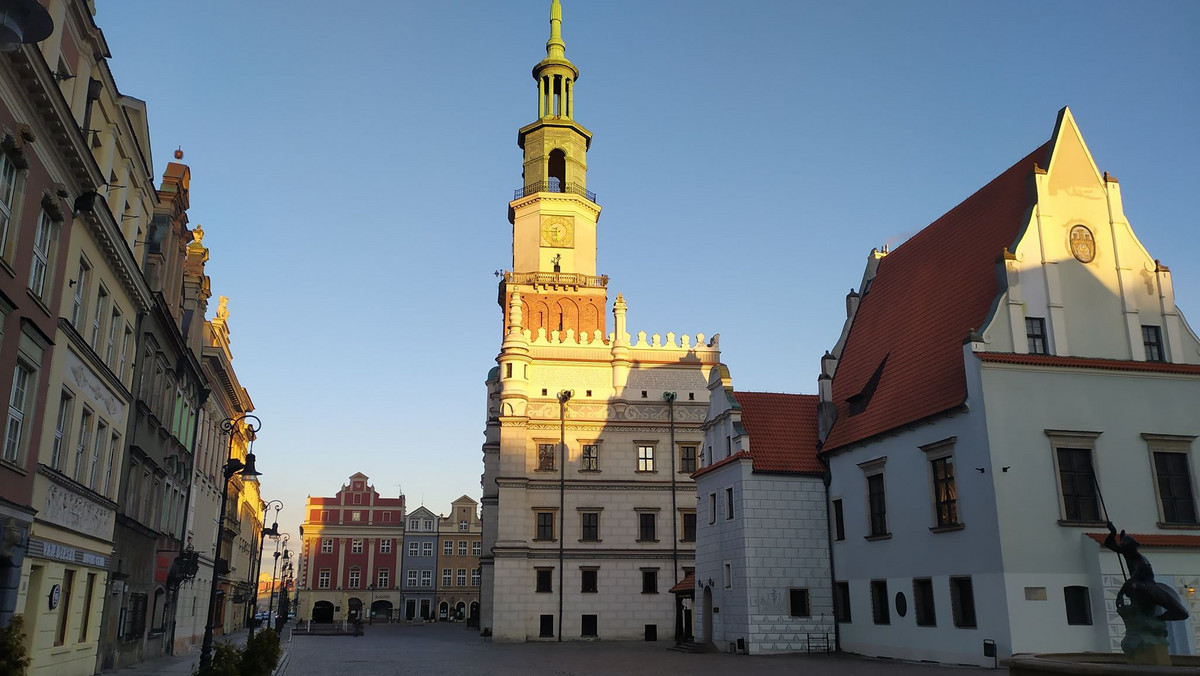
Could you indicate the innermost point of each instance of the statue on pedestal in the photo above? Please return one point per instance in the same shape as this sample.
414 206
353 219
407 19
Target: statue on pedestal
1139 601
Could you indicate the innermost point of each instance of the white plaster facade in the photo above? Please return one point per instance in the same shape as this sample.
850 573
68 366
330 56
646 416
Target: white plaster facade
1020 537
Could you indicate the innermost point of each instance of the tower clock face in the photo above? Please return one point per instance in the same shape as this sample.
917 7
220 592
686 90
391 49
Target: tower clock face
558 232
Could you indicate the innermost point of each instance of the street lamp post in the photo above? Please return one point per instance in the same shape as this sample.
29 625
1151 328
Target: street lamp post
232 466
273 531
285 583
371 612
286 556
563 397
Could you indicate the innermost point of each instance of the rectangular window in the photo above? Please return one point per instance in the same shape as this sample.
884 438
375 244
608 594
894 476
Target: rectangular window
462 526
98 316
689 527
426 549
475 577
412 578
18 407
327 546
687 459
1079 605
878 503
323 578
798 603
114 323
712 507
125 340
356 546
476 548
61 429
591 458
1035 333
462 547
414 549
923 602
448 548
355 578
447 574
587 624
839 526
879 602
427 578
89 591
97 451
383 578
590 524
78 295
944 494
545 580
841 601
460 577
589 580
646 529
728 576
43 239
114 445
385 546
645 458
545 526
356 515
545 457
1078 483
546 626
64 606
962 602
650 581
1175 488
1152 341
729 503
8 197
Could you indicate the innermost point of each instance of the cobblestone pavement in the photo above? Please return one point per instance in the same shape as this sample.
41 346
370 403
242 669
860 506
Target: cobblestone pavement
451 650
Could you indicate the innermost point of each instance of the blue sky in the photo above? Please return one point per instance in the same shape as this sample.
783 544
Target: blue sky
352 173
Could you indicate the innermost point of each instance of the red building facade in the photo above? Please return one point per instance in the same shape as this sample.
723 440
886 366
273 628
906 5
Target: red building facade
350 564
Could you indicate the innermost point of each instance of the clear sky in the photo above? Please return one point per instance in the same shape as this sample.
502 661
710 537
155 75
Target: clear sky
352 165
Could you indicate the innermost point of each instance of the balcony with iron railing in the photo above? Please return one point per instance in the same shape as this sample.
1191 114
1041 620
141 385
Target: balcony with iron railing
556 279
554 185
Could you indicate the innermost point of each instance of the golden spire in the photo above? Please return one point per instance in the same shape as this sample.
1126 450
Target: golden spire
555 47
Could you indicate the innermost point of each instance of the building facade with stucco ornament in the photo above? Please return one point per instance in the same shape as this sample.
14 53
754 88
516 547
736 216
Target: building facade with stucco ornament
592 433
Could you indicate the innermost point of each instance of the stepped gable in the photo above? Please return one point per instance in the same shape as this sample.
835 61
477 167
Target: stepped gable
783 431
926 296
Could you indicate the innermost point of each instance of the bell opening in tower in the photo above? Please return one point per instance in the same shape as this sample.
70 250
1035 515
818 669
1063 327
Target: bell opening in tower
556 171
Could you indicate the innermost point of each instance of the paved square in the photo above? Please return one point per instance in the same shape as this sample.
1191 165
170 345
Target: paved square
451 650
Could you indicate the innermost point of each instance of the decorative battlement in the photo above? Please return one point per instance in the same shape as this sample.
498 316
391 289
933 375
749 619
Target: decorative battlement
683 343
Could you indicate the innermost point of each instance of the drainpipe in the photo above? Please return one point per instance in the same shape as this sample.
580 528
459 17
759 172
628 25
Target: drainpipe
825 479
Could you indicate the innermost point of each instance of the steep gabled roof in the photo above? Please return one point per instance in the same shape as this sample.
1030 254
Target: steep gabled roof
783 431
926 296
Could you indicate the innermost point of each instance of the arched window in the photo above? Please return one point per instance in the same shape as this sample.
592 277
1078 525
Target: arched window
159 616
556 170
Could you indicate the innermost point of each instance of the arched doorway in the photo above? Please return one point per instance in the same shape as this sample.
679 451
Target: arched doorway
322 612
460 612
708 616
381 611
473 618
354 609
443 611
556 171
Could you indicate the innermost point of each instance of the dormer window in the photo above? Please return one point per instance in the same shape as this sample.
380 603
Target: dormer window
858 403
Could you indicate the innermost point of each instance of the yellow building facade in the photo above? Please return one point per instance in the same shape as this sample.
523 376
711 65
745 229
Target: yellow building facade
591 434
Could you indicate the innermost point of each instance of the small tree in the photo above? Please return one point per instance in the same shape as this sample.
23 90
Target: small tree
261 654
12 648
226 661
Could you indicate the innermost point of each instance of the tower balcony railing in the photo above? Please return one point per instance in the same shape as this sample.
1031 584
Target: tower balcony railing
554 185
556 279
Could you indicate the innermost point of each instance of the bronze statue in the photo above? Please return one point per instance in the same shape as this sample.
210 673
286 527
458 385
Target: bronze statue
1138 600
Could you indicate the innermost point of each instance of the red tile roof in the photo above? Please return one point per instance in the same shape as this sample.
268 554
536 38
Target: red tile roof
927 294
687 584
1088 363
783 431
1156 539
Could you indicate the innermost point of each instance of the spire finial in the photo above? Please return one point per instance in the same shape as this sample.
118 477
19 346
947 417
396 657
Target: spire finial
555 47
